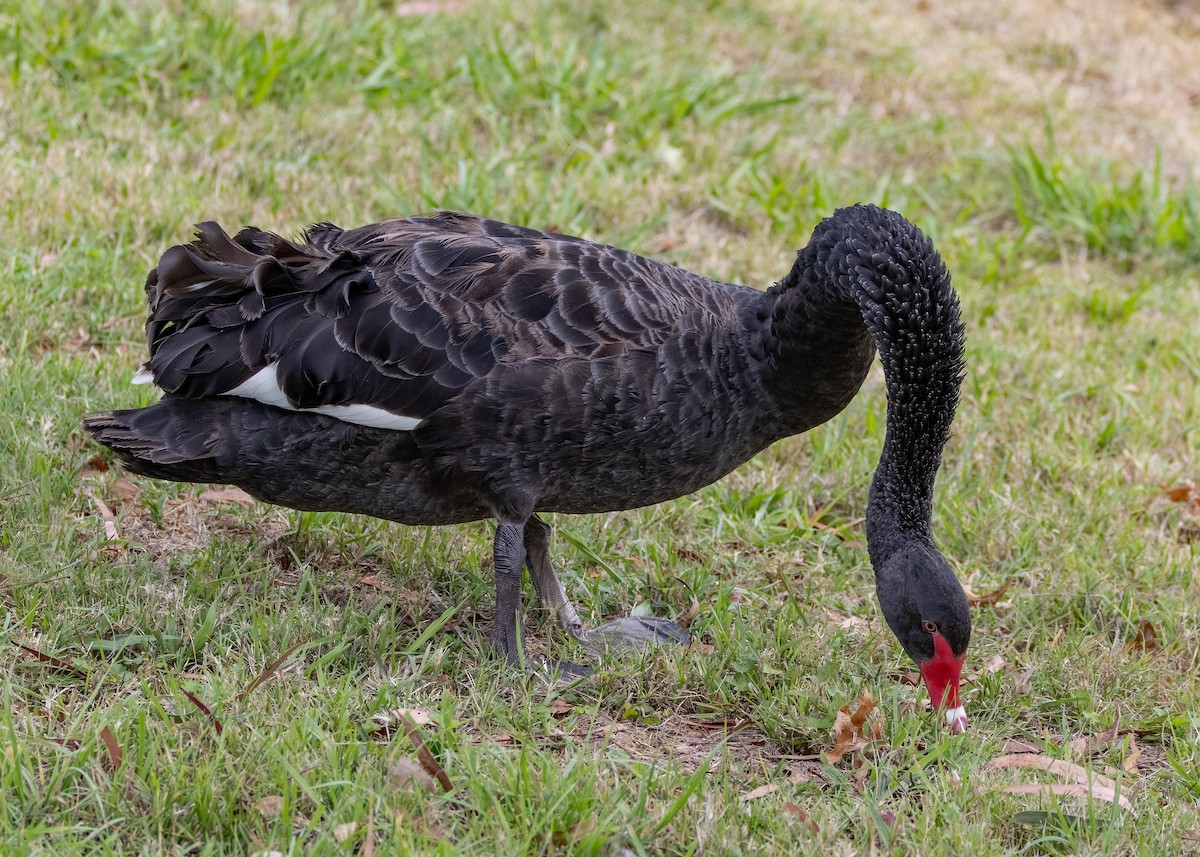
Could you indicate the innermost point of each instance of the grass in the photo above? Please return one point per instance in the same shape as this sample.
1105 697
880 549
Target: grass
716 140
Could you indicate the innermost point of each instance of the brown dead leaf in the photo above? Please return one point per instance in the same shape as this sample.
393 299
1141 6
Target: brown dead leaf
226 495
1094 792
58 664
1130 765
95 465
1108 735
114 749
995 665
1185 492
1059 768
342 832
802 817
564 838
270 807
761 791
418 716
376 583
428 762
408 771
1145 640
687 618
106 514
865 706
559 707
849 735
269 671
205 709
126 491
977 600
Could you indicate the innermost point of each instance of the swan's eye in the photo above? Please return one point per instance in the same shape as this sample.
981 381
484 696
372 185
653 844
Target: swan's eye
931 627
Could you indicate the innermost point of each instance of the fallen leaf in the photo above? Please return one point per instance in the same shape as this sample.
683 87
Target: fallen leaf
802 816
270 806
1130 765
418 716
995 665
114 749
559 707
107 515
865 706
1057 767
1145 640
761 791
376 583
269 671
226 495
428 762
578 830
849 735
96 464
126 491
368 848
685 621
1094 792
1185 492
1107 736
344 831
204 708
58 664
977 600
408 770
855 625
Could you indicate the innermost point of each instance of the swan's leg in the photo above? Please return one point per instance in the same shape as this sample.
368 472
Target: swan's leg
508 556
628 632
510 552
550 592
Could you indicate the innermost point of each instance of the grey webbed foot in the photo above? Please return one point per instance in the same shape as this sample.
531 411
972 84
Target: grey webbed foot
518 545
634 632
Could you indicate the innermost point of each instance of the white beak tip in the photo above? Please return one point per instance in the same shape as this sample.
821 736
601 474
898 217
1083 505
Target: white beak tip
956 718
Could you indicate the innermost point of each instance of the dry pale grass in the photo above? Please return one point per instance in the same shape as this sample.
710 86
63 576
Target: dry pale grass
1120 79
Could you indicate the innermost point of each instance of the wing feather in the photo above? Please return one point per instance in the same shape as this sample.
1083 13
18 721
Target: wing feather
402 315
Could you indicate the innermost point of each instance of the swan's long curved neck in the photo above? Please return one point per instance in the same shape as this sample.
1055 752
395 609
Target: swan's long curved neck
868 275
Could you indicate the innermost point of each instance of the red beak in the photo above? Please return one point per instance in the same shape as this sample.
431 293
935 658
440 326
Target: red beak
942 673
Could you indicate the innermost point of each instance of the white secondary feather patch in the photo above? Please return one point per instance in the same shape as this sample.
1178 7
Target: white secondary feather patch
143 376
264 387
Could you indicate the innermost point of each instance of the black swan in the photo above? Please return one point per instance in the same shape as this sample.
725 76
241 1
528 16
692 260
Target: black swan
449 368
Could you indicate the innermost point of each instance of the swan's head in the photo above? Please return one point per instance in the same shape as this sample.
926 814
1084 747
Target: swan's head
926 608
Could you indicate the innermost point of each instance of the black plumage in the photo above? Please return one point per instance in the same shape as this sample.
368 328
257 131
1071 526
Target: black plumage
543 373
